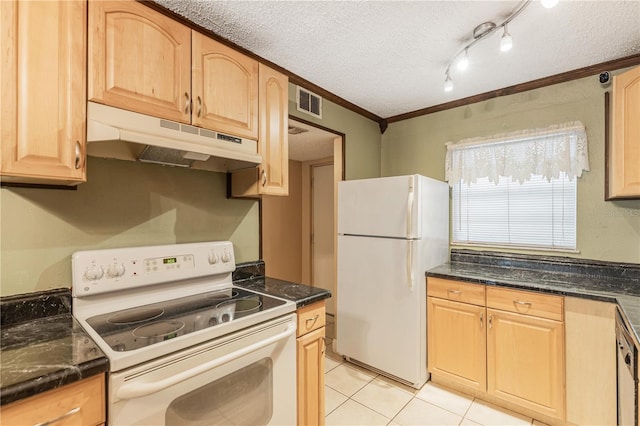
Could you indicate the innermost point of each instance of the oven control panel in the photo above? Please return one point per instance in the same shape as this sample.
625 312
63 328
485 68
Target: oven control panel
102 271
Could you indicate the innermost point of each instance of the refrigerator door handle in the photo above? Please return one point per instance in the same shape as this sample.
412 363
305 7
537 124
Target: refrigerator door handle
410 263
410 209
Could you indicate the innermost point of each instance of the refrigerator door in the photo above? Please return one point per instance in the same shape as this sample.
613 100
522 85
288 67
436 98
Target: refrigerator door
381 315
385 207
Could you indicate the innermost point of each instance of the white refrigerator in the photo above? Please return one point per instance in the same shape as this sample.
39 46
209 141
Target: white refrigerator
390 230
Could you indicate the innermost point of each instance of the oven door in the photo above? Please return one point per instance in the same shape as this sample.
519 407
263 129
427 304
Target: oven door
246 378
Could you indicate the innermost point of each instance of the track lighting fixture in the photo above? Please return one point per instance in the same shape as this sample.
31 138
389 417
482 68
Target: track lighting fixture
448 84
506 43
461 59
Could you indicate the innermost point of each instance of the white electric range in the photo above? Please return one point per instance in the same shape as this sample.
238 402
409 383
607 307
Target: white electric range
185 346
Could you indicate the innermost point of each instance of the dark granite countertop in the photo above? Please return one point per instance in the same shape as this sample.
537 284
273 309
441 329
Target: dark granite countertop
251 276
604 281
42 347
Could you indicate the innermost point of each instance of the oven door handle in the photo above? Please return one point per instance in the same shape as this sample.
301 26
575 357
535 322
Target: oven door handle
135 390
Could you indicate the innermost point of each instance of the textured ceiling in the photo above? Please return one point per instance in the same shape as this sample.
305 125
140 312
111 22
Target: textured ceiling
389 57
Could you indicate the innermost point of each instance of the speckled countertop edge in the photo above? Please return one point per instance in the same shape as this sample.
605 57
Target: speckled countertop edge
602 281
43 347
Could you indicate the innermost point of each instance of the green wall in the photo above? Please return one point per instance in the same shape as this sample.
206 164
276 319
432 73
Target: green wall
129 204
362 149
122 204
606 230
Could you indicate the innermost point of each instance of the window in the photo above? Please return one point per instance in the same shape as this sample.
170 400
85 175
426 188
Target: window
536 213
518 189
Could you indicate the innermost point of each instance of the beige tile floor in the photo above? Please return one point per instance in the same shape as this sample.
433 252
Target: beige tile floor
355 396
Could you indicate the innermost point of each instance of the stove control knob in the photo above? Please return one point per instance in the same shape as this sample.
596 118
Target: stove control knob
94 273
225 257
116 270
213 258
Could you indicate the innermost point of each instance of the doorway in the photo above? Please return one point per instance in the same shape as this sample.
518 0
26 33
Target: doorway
298 232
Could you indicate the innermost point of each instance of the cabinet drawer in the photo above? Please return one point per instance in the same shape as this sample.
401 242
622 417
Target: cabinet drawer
525 302
311 318
79 403
456 290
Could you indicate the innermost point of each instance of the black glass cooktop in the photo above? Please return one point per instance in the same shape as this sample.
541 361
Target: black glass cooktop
135 328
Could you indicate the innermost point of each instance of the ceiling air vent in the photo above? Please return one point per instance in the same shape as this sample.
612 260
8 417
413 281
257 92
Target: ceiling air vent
308 102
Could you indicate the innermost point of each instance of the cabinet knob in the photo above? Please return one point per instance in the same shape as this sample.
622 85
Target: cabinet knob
199 100
264 177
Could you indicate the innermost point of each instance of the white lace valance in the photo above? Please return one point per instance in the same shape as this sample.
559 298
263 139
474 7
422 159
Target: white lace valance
546 152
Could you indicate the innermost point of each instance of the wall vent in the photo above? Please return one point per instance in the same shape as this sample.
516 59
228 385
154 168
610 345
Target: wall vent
308 102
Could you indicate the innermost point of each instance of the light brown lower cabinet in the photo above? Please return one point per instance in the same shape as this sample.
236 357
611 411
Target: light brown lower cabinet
525 361
504 345
310 364
78 404
457 342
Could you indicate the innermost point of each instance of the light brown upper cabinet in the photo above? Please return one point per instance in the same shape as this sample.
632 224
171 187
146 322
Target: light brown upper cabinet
43 80
272 176
144 61
624 148
225 88
139 60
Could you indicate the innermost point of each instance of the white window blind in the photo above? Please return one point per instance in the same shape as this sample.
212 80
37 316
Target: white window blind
537 213
519 188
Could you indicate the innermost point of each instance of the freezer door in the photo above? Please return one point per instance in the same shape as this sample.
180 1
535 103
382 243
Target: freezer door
381 316
382 207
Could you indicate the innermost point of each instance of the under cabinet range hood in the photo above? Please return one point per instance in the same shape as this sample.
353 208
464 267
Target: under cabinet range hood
126 135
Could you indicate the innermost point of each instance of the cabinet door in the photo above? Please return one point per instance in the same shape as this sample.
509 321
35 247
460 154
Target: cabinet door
525 361
624 155
311 378
43 91
274 136
225 88
456 342
139 60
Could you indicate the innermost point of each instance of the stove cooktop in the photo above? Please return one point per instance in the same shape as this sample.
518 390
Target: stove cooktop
135 328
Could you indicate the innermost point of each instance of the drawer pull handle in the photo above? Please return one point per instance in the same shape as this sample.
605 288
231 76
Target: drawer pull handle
56 420
264 177
199 106
521 303
314 319
453 291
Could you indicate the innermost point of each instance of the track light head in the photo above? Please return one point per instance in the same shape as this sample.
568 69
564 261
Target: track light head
448 84
506 42
463 61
